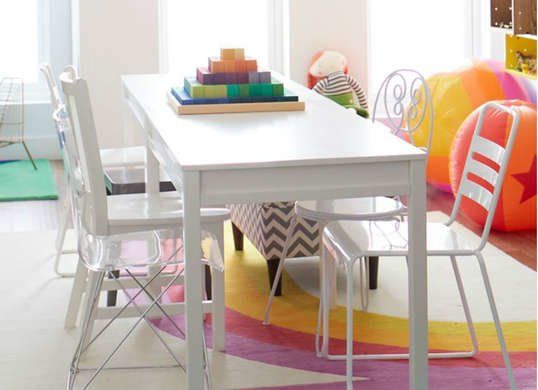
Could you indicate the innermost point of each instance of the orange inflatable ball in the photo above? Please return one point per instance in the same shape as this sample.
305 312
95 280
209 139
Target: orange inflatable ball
516 209
455 95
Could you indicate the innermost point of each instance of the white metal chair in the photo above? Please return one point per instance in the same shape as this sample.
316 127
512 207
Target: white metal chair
134 156
106 227
405 98
348 241
12 114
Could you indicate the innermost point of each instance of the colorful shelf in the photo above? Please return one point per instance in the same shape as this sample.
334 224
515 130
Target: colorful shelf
232 83
520 45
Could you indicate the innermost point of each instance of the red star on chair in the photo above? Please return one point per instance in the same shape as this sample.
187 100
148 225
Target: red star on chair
528 181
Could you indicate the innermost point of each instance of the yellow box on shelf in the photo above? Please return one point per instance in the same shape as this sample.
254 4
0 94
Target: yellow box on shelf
520 55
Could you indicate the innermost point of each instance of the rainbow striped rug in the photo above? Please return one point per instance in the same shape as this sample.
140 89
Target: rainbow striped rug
289 341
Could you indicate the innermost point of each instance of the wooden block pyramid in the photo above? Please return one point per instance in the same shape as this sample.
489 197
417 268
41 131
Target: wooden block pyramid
229 79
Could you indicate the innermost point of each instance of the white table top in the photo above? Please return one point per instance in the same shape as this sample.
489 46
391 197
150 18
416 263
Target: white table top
324 134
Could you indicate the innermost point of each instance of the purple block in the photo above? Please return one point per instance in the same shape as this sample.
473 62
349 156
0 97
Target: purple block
204 76
219 78
242 78
231 78
253 78
265 77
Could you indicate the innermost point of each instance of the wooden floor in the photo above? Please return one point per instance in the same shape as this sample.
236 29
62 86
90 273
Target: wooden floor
43 215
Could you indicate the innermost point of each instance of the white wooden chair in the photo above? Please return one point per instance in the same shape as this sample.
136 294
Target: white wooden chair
348 241
134 156
106 226
405 98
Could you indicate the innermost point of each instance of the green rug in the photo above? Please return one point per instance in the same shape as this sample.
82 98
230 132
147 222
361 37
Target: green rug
19 181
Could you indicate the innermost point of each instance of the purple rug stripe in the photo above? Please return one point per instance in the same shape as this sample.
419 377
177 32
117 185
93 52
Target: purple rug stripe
379 374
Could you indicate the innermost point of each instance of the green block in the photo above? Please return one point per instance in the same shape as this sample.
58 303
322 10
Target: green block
244 90
278 89
233 90
267 89
255 90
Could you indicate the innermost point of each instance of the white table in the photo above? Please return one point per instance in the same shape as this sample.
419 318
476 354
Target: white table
322 153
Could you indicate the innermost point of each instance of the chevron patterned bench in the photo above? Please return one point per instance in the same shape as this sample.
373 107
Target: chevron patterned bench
266 225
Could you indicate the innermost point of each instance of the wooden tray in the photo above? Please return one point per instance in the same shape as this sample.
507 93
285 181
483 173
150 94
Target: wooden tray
192 109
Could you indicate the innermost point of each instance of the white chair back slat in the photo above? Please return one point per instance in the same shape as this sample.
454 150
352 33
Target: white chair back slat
55 97
488 149
483 171
477 193
472 189
92 202
404 102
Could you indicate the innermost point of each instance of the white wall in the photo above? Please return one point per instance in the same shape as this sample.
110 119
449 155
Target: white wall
339 25
114 37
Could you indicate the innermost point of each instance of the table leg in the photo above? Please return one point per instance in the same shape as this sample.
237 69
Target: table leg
219 305
152 171
418 285
152 187
193 280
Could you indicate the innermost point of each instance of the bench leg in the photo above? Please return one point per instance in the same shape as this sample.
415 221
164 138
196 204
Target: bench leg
272 266
373 266
238 238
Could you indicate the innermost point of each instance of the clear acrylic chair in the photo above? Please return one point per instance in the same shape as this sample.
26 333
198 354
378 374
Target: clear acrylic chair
134 156
106 237
12 114
347 242
405 99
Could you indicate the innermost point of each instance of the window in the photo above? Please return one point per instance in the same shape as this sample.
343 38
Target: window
196 30
33 31
19 39
427 35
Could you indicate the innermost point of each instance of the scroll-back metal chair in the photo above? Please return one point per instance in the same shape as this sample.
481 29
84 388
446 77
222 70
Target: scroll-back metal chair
134 156
405 99
347 242
12 114
106 230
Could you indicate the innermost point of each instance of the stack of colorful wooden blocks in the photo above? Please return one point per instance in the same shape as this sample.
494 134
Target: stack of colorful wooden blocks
231 78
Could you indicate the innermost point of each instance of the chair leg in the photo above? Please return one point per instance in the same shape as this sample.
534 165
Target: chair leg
77 292
95 281
85 331
289 233
373 266
364 275
238 238
29 154
496 319
349 327
323 311
465 304
60 238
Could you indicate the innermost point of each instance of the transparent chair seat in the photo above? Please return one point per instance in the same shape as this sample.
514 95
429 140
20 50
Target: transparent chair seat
164 208
142 249
122 157
366 208
350 240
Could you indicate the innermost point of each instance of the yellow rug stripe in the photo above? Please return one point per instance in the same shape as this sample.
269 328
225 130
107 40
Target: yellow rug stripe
247 291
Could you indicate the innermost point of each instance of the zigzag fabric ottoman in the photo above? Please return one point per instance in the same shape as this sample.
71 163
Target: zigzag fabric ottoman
266 226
